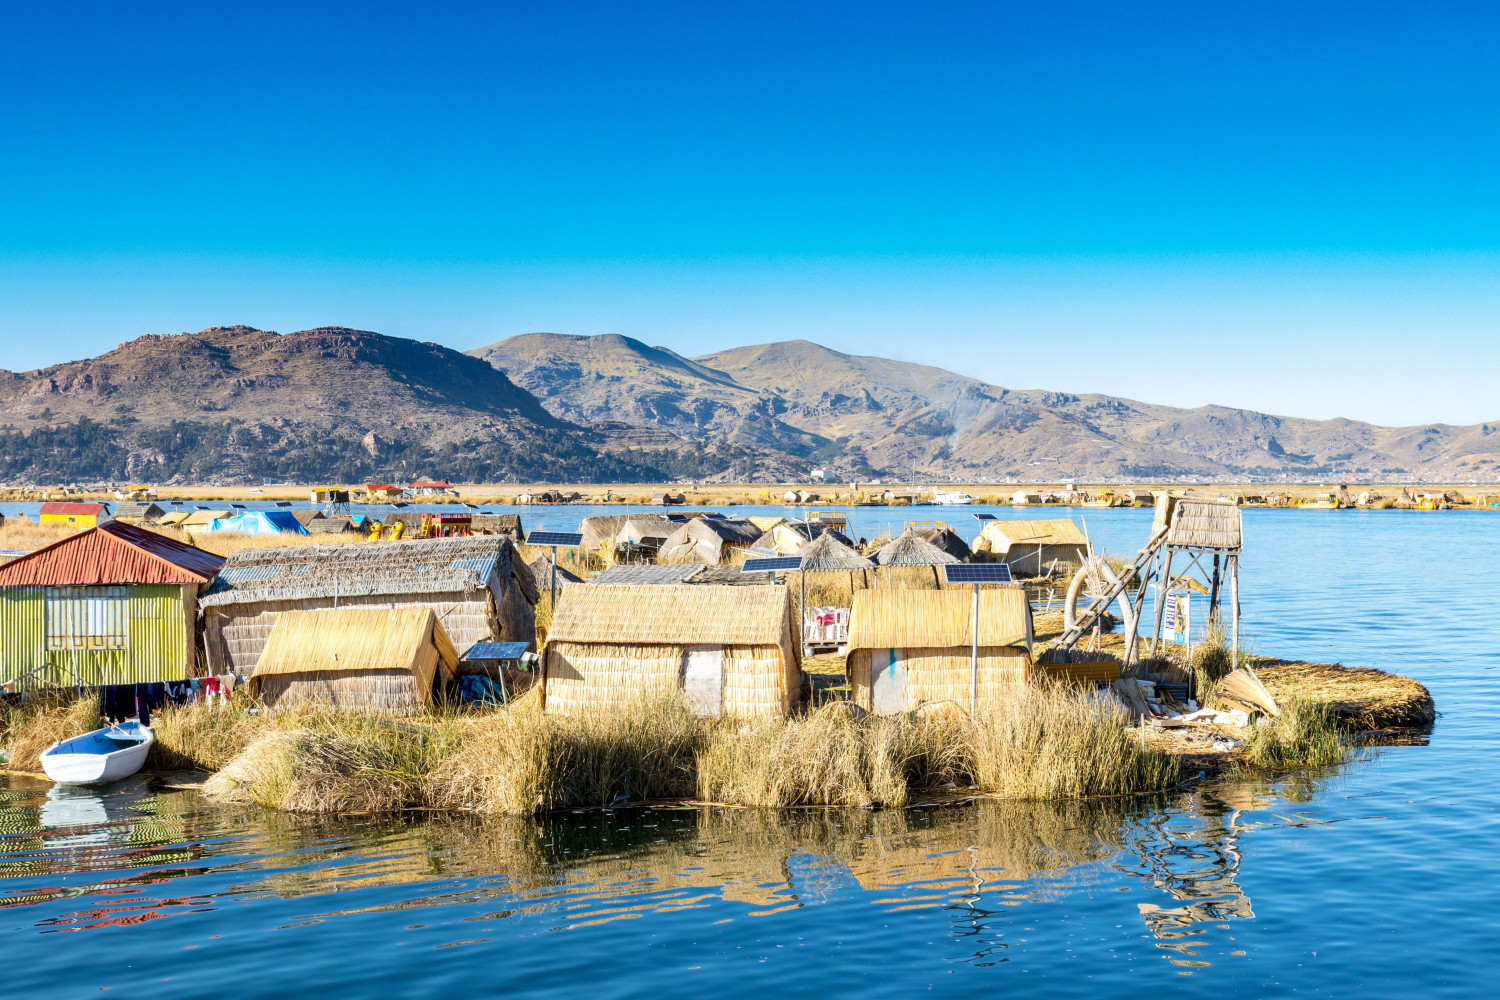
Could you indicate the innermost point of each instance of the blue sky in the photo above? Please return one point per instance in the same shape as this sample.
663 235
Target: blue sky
1289 207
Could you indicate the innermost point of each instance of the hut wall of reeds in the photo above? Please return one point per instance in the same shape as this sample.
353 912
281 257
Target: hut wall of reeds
908 648
732 650
478 587
1031 548
374 661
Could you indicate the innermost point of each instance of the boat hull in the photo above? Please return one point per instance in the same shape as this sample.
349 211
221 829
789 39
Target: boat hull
95 759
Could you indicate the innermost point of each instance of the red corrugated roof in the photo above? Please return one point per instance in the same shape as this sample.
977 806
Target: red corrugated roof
59 507
381 486
112 553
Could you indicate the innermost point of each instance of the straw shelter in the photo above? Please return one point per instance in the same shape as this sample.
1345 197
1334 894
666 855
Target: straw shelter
1034 548
791 537
334 525
541 571
499 524
908 648
1203 524
600 530
138 512
911 549
730 650
307 516
116 604
478 586
711 540
200 521
374 661
946 539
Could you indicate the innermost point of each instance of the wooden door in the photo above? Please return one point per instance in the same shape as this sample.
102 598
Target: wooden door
703 679
888 683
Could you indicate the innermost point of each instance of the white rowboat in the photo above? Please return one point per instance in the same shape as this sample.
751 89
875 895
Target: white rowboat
107 754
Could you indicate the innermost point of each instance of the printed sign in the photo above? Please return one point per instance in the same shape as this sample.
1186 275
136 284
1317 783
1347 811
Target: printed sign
1177 620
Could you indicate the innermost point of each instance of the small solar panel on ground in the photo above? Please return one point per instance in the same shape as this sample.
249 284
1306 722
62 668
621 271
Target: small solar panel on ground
977 573
564 538
495 651
771 565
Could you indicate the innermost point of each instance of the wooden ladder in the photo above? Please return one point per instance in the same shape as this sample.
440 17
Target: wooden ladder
1086 618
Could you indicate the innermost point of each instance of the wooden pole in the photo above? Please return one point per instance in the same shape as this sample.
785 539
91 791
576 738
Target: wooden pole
554 579
1161 600
974 658
1234 611
1213 594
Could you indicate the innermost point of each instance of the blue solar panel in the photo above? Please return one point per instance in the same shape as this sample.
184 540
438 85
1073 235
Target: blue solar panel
554 538
983 517
977 573
495 651
771 565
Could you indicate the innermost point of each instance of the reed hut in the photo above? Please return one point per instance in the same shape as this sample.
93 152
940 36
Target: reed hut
601 530
374 661
910 549
946 539
138 512
791 537
499 524
730 650
710 540
908 648
478 586
201 521
541 571
307 516
1034 548
116 604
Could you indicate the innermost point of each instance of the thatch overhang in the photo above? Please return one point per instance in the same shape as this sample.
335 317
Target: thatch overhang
924 619
672 615
910 549
303 572
946 539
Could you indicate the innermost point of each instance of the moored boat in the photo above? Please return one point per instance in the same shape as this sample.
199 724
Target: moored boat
107 754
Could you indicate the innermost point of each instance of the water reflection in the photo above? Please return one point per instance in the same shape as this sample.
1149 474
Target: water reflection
84 860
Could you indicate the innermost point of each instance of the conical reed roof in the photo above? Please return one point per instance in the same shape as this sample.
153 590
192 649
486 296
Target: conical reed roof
911 550
826 554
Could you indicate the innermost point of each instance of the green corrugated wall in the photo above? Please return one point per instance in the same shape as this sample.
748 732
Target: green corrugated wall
153 648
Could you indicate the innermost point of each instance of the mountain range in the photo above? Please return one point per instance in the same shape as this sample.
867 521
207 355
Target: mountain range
237 404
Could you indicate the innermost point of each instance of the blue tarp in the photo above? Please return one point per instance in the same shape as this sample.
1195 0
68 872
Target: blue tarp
259 522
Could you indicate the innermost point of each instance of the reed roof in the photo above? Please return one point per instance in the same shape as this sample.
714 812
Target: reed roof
680 614
654 576
417 566
910 549
357 640
829 554
541 571
139 510
1206 524
914 619
946 539
1048 531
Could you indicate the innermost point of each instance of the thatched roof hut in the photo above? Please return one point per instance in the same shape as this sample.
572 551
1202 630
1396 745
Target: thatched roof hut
375 661
329 525
830 552
911 549
711 540
600 530
791 537
1034 548
908 648
946 539
307 516
138 512
730 650
200 521
499 524
478 587
541 571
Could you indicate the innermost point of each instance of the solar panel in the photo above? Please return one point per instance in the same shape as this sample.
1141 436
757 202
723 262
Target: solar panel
283 503
977 573
771 565
565 538
983 517
238 506
495 651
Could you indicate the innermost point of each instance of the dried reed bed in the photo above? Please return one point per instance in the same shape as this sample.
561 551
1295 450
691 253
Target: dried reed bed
20 533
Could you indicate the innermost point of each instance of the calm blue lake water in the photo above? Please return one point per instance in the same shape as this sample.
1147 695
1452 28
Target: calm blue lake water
1378 878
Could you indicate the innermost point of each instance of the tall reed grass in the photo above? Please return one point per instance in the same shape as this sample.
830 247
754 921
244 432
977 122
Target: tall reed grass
1305 734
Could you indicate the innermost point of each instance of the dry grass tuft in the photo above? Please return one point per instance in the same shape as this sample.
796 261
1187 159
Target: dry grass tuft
31 728
201 737
1305 734
19 532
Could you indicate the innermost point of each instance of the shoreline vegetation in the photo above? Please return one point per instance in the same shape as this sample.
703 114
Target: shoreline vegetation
1050 743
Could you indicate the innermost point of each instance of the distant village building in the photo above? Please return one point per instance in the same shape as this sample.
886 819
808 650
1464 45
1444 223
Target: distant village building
77 514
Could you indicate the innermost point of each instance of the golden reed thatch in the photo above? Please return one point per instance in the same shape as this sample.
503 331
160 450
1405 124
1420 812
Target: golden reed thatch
609 645
374 660
925 637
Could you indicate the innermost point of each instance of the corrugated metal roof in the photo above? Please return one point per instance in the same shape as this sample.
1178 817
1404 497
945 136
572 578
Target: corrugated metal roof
61 507
654 575
113 553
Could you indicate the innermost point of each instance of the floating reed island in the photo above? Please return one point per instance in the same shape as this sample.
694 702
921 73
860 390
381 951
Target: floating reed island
438 675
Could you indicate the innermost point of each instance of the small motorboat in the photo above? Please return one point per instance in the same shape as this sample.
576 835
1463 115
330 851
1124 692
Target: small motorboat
107 754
